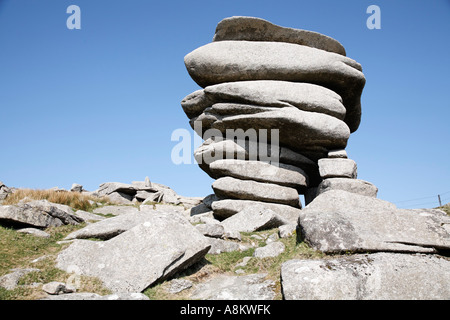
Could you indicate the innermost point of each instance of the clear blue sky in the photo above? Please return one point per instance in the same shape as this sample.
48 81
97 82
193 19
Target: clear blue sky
100 104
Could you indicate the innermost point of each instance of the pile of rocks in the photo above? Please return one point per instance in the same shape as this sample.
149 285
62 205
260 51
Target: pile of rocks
142 191
258 77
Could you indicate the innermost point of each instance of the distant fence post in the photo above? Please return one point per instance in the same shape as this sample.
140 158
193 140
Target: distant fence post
440 203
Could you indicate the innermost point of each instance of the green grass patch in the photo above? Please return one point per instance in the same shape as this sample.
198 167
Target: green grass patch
18 250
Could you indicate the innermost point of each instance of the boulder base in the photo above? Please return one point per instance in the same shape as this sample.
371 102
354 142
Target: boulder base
380 276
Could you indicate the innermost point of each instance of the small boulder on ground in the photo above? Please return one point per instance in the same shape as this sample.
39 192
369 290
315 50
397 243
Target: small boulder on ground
339 221
9 281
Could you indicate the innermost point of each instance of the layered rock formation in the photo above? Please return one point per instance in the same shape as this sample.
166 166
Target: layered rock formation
275 101
300 86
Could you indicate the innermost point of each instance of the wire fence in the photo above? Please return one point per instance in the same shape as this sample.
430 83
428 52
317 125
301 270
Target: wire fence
425 202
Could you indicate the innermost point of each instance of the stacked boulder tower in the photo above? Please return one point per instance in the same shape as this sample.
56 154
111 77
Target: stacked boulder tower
295 96
276 111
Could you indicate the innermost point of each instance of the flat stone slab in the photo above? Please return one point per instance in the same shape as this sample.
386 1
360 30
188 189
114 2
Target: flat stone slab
111 227
219 245
340 221
9 281
379 276
116 210
229 187
259 60
137 258
227 208
351 185
94 296
257 29
223 287
299 130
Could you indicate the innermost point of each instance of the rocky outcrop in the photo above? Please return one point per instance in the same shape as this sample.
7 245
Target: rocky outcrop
258 77
380 276
251 287
137 258
142 191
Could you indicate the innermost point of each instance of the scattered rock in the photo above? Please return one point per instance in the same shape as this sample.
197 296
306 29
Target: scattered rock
300 130
94 296
110 228
116 210
337 168
251 287
253 60
76 188
272 249
351 185
213 230
178 285
270 93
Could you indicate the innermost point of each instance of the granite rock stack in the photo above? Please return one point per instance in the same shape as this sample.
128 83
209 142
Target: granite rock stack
276 110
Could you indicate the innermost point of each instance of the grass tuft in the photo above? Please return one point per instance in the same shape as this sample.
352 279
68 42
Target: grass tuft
76 200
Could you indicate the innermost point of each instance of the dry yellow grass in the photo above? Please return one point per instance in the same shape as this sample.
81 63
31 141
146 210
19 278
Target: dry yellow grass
75 200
